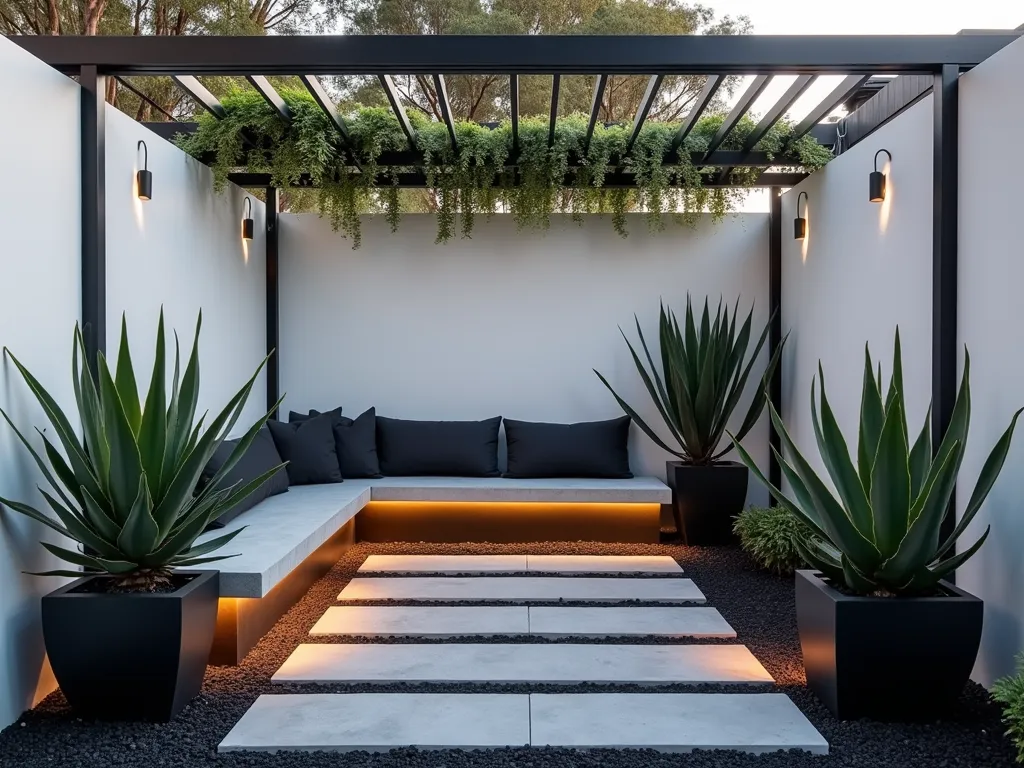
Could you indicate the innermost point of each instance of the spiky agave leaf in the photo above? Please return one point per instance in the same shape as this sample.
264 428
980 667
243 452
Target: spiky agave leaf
705 367
126 492
907 490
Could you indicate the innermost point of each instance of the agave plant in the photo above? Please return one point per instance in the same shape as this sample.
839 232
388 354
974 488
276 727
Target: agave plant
880 532
126 492
702 379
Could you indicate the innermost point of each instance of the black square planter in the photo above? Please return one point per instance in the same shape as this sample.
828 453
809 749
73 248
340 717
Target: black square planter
706 499
134 656
886 658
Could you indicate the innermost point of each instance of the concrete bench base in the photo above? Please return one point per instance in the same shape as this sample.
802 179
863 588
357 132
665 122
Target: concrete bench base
243 621
503 522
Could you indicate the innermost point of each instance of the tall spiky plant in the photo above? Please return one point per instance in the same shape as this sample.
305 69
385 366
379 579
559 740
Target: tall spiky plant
703 377
880 532
126 491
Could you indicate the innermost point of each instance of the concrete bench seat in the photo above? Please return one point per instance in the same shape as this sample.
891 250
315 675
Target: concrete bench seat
292 539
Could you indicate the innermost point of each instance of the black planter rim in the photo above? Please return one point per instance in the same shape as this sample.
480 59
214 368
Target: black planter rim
713 465
954 593
199 578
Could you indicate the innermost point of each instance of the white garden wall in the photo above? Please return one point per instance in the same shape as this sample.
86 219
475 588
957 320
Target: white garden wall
40 267
990 278
507 322
183 251
863 269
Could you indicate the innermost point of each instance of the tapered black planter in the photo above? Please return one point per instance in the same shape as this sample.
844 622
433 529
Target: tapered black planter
131 656
886 658
706 500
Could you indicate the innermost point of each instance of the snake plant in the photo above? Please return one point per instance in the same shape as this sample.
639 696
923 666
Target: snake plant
126 491
880 532
702 379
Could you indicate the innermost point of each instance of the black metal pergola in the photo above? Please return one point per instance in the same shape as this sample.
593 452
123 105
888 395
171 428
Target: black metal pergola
857 58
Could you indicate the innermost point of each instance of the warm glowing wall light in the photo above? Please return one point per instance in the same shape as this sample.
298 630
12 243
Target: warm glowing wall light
876 181
247 224
800 222
144 178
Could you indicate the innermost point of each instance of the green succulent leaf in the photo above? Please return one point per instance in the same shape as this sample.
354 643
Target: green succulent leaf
890 484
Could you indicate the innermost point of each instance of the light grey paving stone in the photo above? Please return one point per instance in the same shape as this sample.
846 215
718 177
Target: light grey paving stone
444 564
673 722
602 564
524 589
377 722
423 621
608 621
521 663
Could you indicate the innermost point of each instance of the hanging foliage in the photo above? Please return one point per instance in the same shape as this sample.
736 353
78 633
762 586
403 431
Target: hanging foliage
474 178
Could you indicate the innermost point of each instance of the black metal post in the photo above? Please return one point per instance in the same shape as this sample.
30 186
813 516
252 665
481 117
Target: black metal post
775 329
273 302
945 207
94 227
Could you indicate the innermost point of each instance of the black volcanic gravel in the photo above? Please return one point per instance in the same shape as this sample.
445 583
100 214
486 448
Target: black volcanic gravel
759 606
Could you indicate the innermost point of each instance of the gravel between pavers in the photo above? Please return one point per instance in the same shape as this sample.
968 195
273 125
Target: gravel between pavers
760 607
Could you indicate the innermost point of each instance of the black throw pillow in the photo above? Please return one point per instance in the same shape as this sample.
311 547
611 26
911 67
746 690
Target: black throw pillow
354 439
308 447
588 449
261 457
294 416
455 448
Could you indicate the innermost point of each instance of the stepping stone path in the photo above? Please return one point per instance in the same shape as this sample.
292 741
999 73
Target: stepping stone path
649 597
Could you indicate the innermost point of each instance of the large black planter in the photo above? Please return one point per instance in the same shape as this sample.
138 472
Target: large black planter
706 500
131 656
886 658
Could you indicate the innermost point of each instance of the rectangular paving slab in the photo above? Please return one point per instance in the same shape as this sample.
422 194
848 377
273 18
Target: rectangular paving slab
423 621
521 589
377 722
602 564
444 564
613 621
521 663
672 722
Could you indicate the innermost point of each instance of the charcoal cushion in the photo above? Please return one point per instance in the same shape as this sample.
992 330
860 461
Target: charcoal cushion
587 449
355 441
261 457
455 448
308 447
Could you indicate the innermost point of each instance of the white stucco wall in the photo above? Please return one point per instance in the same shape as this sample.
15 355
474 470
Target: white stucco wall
40 267
863 269
991 273
183 251
507 322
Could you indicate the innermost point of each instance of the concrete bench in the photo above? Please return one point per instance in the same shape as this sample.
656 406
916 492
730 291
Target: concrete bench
291 540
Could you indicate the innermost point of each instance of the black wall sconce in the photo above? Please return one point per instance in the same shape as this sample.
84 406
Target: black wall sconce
247 225
876 181
800 223
144 178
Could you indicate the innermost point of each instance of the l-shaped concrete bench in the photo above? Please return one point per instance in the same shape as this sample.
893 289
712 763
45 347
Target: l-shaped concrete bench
293 539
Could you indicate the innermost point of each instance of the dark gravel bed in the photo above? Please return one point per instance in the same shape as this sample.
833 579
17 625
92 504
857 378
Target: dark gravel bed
759 606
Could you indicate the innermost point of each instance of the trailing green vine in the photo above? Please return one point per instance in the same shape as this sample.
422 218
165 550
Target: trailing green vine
567 176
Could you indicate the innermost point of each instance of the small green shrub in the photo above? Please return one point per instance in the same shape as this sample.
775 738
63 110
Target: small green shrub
768 535
1009 691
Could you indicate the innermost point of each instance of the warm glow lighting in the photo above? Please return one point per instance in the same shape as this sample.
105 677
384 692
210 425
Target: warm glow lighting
144 178
876 181
247 224
800 222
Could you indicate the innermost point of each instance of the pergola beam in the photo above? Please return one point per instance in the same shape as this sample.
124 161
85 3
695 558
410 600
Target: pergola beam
707 93
645 108
839 94
388 84
441 91
271 96
595 109
524 54
323 100
556 84
739 110
200 94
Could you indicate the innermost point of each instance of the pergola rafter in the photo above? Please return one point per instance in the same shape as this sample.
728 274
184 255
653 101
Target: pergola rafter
646 102
707 93
556 86
271 96
445 108
200 94
595 109
741 108
388 84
